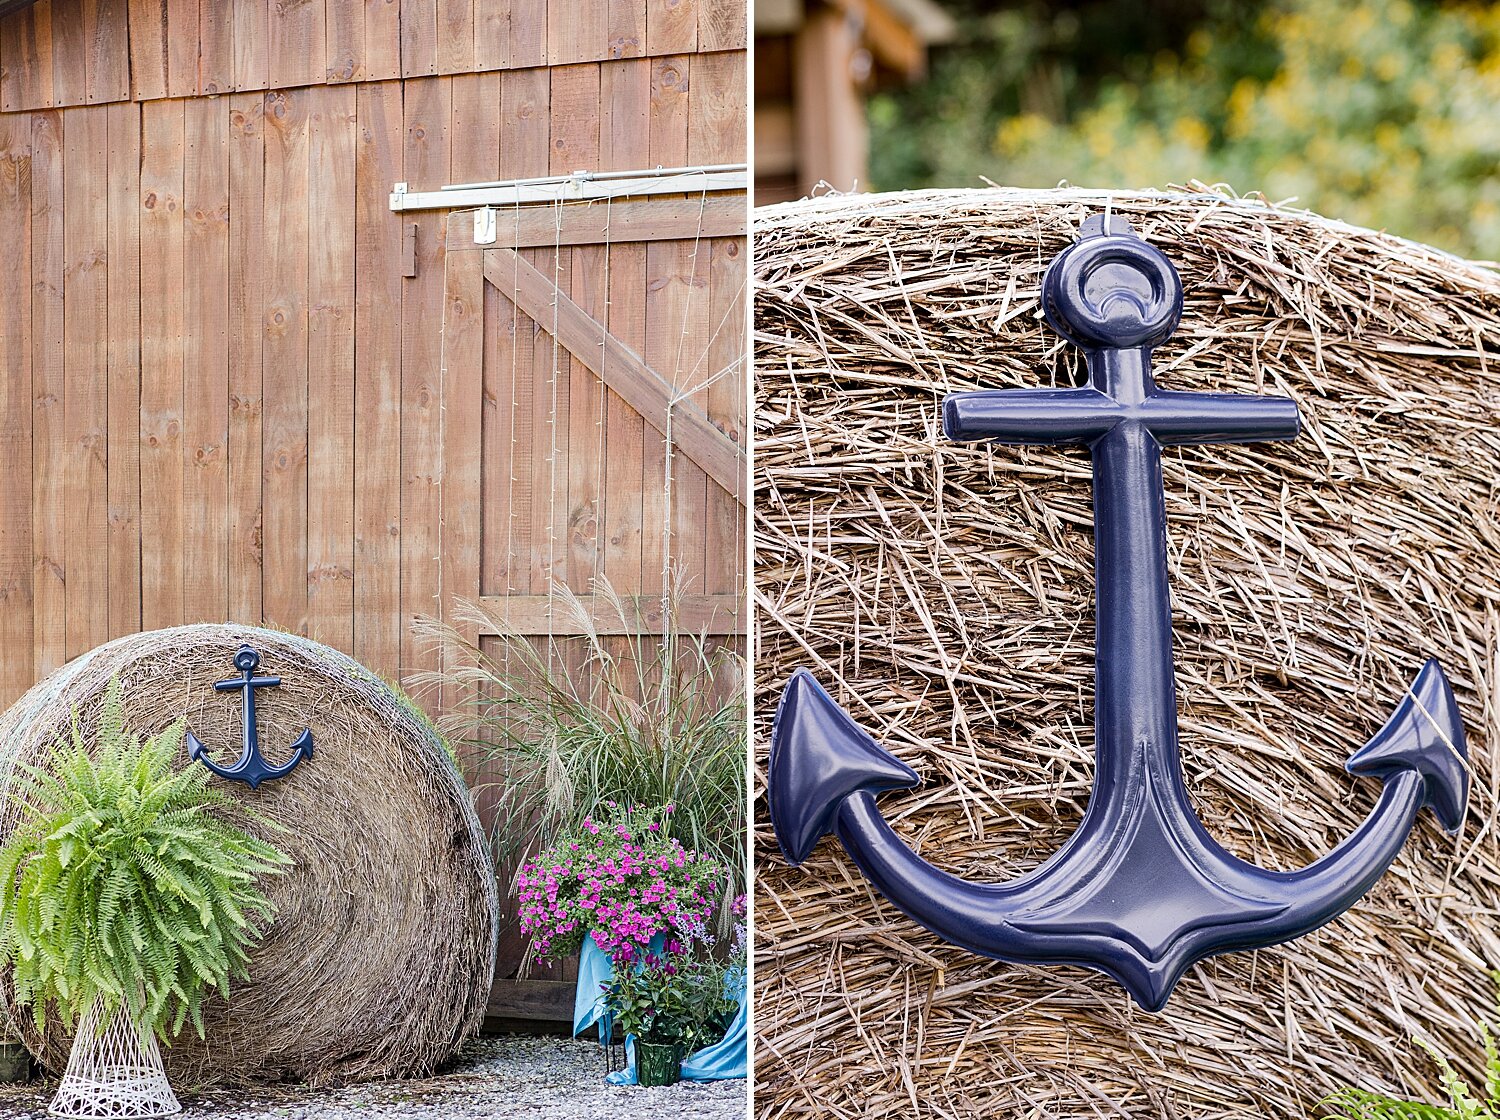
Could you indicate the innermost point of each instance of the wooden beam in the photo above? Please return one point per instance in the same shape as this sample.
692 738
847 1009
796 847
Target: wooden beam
619 367
607 223
555 614
532 999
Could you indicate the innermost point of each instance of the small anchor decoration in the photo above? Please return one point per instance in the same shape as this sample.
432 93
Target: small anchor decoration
1140 891
250 768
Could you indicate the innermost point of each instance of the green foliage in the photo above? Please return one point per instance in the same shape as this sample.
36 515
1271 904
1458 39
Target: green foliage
650 720
1361 1104
1380 112
667 1000
121 883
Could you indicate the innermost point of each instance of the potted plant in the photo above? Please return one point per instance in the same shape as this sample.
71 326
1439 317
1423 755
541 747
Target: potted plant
672 1003
126 894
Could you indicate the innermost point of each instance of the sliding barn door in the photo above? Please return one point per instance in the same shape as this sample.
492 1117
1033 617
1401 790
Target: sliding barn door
593 405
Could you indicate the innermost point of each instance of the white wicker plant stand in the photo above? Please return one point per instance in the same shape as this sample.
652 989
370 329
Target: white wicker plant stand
113 1073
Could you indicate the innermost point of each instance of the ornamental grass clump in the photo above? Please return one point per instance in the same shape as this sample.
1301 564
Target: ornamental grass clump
123 886
644 718
624 879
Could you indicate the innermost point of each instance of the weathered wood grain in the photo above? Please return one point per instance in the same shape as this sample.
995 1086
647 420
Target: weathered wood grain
284 362
427 159
247 235
205 362
16 510
332 463
124 462
377 399
162 332
86 377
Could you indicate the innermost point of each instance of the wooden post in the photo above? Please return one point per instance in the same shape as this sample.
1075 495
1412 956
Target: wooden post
832 138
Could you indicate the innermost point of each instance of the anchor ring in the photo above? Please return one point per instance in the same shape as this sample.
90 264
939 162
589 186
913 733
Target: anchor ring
1112 291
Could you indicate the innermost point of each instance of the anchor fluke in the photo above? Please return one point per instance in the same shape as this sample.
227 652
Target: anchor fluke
1425 734
819 757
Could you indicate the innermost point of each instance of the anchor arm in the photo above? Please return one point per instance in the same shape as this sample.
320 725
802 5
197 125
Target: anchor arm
1421 756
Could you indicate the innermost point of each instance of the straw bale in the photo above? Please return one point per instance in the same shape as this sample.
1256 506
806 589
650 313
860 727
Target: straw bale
943 593
380 958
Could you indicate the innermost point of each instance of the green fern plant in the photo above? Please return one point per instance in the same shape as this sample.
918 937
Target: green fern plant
121 883
1362 1104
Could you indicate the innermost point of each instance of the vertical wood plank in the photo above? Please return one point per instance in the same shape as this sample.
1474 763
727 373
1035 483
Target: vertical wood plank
39 53
252 37
346 40
626 33
476 128
49 532
574 111
497 437
382 57
247 234
418 37
215 47
667 535
85 510
377 351
426 158
108 77
16 607
72 29
625 101
162 328
548 481
20 66
297 47
332 465
148 48
492 35
182 48
525 134
717 133
124 369
205 429
586 432
580 33
575 145
284 362
528 33
721 26
455 36
717 122
724 551
462 417
671 27
516 380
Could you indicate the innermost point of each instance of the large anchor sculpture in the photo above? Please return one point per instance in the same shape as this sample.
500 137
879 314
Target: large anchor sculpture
251 767
1141 891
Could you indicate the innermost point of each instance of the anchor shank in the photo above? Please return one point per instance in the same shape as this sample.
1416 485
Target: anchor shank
1135 698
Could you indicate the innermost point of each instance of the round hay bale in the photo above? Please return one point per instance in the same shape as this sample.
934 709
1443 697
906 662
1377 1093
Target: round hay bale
379 961
943 593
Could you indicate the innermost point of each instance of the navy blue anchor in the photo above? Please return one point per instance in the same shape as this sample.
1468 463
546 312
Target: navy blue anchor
250 767
1140 891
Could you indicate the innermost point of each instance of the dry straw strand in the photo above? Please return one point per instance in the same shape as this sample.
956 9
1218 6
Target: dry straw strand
943 593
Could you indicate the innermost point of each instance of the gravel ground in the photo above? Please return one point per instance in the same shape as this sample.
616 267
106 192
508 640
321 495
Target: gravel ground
511 1076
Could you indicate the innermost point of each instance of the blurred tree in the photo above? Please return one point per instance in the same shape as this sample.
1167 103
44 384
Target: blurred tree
1380 112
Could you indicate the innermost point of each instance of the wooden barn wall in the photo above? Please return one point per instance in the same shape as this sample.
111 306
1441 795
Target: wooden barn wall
220 350
60 53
